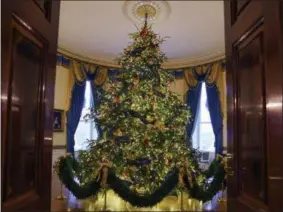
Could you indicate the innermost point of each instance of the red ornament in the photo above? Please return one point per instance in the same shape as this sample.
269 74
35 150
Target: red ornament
146 141
126 173
117 99
135 78
135 81
143 33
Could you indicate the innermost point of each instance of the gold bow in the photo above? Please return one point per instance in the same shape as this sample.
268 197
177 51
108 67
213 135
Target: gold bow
181 176
103 173
184 171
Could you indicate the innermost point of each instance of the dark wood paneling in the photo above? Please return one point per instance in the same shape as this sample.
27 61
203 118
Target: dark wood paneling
28 73
254 63
252 13
273 44
240 5
45 6
252 117
23 117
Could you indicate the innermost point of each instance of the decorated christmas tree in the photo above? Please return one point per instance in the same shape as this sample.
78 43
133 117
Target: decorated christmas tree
143 146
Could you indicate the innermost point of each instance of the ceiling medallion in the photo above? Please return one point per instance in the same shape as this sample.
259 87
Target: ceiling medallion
141 9
157 11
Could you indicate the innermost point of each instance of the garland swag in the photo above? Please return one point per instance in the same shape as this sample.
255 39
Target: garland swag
67 168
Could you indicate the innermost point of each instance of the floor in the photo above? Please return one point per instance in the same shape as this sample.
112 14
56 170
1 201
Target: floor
72 204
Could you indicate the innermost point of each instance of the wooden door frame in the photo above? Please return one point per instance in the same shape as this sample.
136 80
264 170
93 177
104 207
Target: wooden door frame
273 54
35 23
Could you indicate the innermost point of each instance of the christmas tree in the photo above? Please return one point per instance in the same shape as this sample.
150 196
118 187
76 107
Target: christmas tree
144 132
144 123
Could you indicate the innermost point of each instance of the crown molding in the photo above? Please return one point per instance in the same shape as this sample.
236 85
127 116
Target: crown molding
191 62
171 64
84 58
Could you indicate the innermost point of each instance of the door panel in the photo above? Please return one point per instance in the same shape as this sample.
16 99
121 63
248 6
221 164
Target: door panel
27 93
23 117
251 118
254 89
241 4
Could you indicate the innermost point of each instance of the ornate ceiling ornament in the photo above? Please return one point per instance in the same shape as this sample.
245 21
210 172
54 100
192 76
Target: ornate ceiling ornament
157 11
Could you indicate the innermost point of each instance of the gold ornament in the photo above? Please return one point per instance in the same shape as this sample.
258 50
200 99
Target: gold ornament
135 80
160 125
103 182
149 118
146 141
117 99
181 176
118 132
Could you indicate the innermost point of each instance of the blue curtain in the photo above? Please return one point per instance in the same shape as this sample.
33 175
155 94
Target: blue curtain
74 114
215 115
195 77
77 103
193 97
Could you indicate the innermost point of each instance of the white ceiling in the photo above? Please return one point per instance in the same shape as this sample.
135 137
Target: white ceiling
99 30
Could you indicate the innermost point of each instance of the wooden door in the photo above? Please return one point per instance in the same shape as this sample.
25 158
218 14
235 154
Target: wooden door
29 46
253 31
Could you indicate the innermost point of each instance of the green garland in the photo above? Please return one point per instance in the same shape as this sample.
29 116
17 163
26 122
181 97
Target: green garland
204 192
66 165
208 190
134 199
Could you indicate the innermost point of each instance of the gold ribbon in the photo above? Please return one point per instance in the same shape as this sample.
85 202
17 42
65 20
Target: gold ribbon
184 171
103 173
181 176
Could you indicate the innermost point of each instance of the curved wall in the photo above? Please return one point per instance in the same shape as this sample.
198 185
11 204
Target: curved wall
179 86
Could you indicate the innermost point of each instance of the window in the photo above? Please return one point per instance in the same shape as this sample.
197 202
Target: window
203 136
86 129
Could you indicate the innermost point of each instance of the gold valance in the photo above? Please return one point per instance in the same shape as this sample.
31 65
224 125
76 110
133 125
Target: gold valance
214 74
101 76
77 72
82 70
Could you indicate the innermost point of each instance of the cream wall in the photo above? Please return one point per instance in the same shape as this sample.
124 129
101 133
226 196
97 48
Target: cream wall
61 84
59 138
